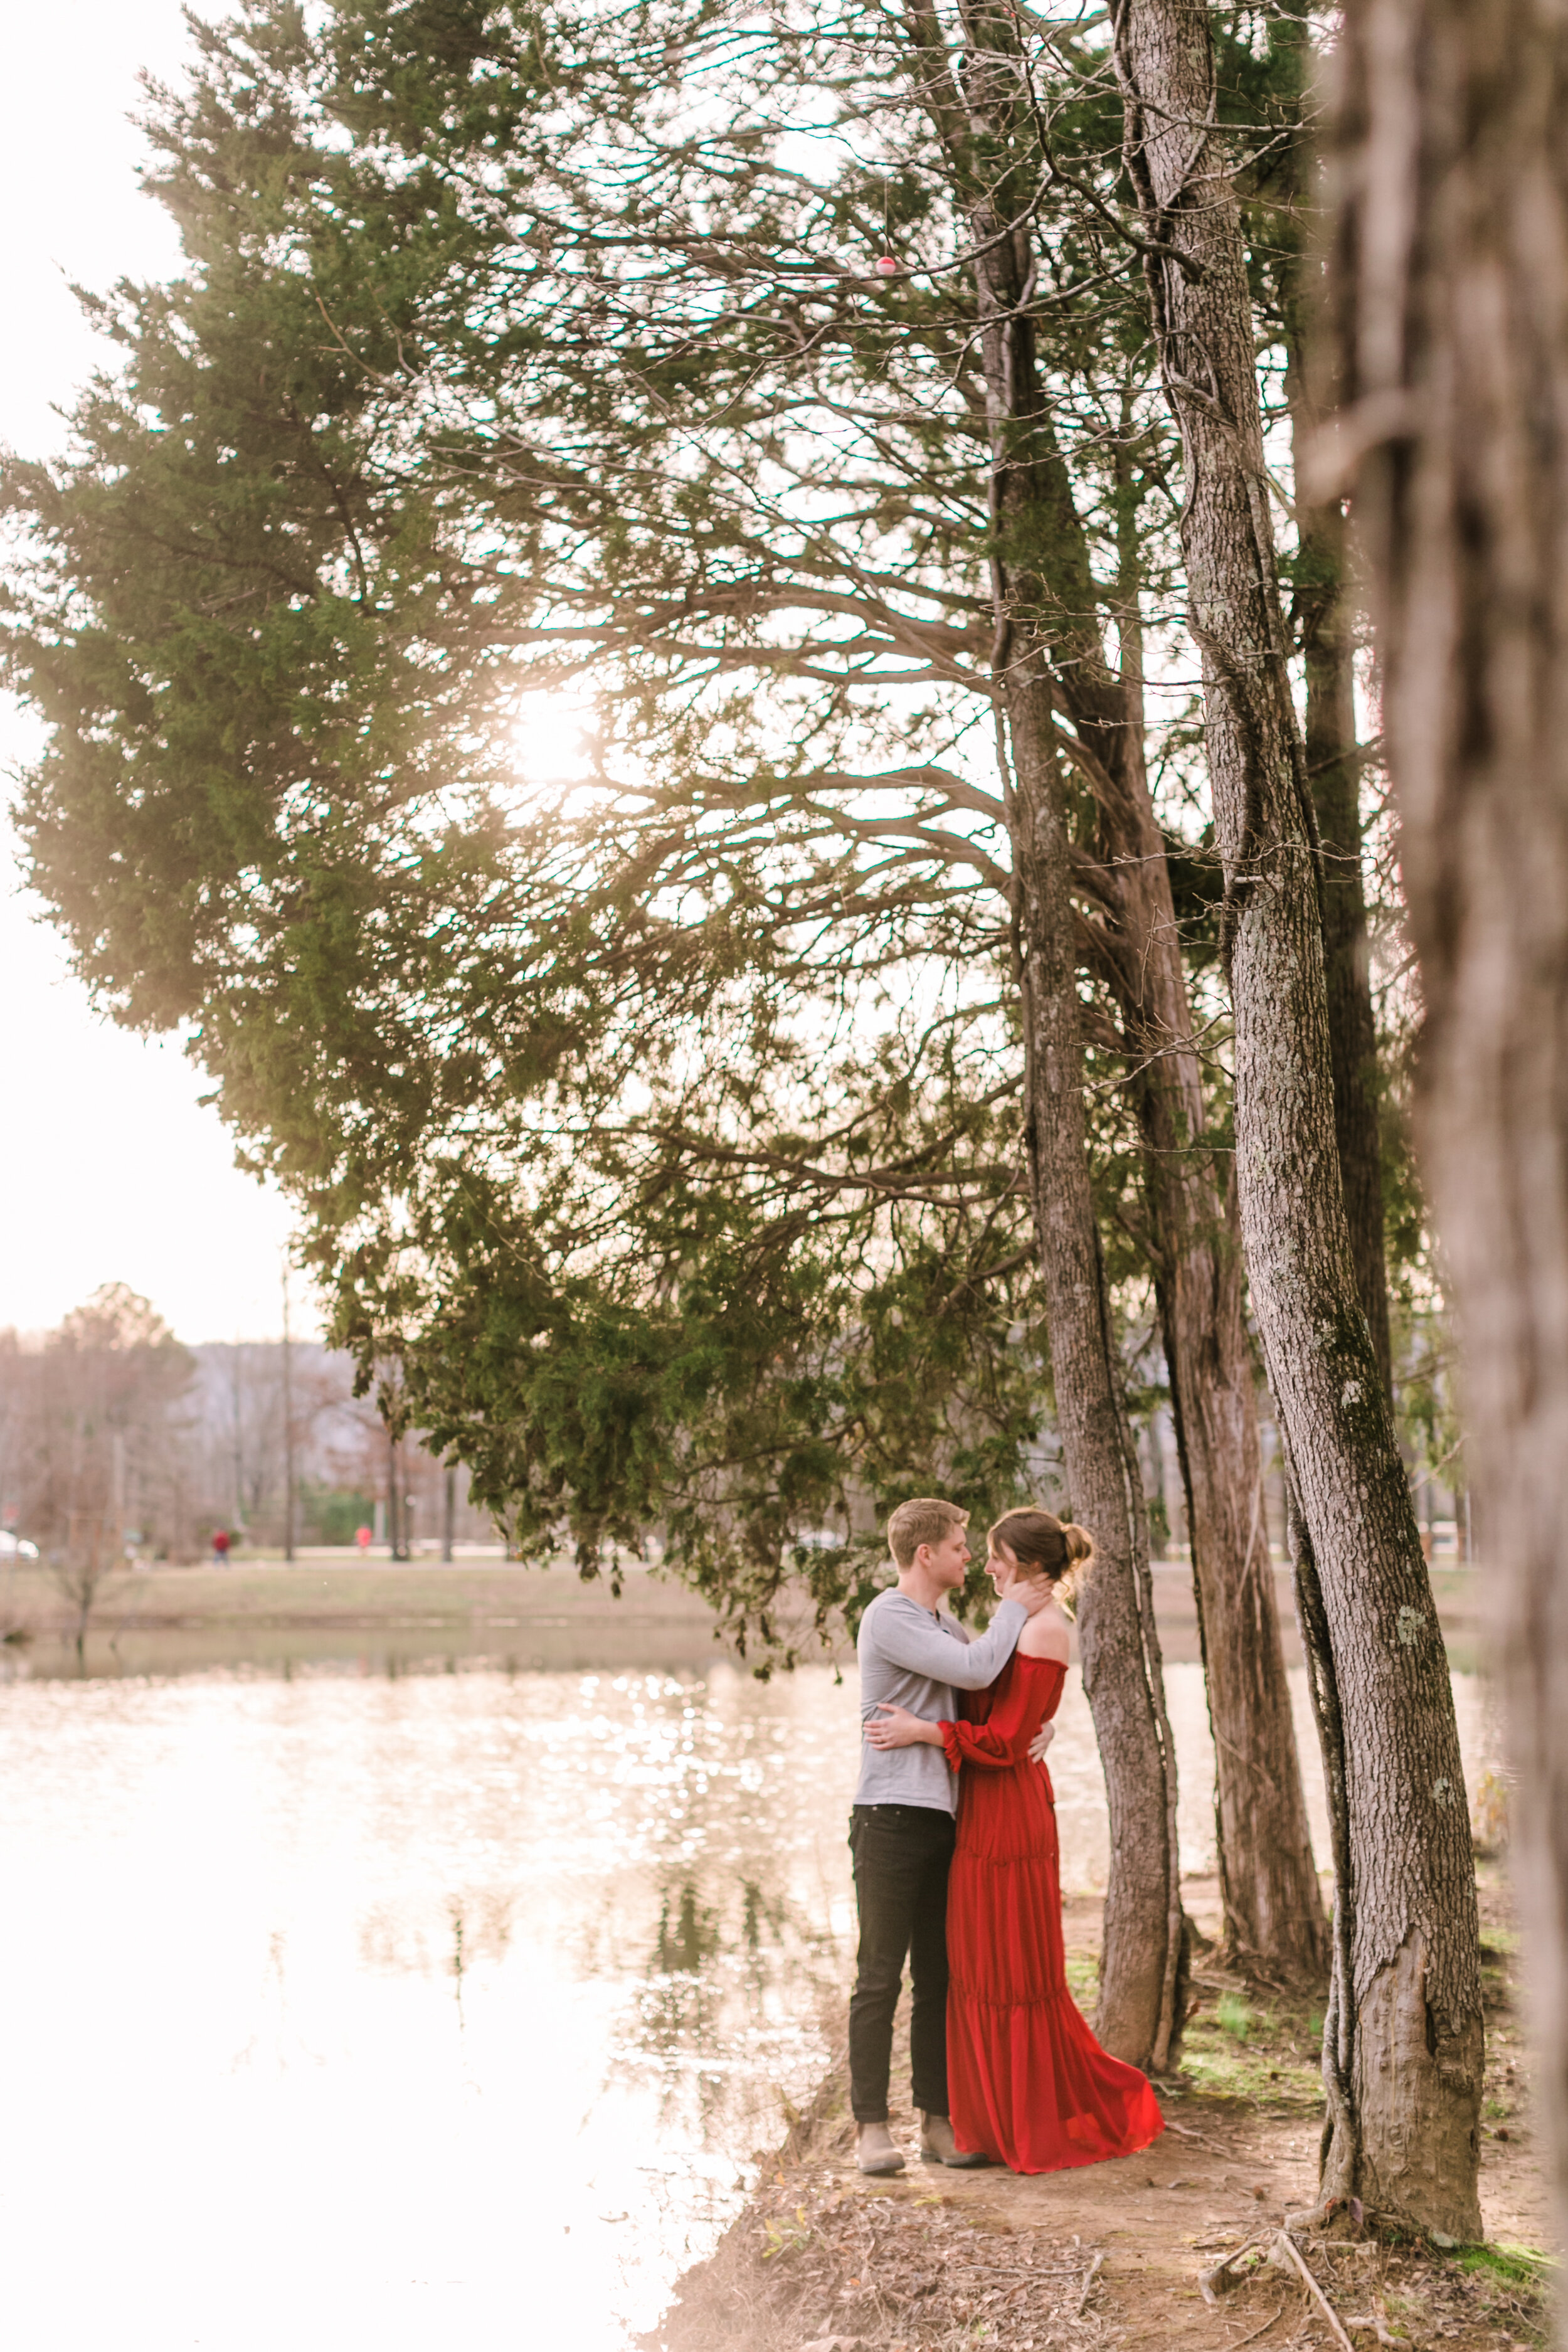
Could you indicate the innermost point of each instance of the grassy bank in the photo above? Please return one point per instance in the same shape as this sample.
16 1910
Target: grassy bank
325 1609
333 1606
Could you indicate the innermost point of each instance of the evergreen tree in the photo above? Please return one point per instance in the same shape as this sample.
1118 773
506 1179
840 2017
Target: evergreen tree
671 1146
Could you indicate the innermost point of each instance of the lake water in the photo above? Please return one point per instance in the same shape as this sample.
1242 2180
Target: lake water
448 2009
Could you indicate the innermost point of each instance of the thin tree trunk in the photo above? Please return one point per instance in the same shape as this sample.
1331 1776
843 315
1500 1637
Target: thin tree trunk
1273 1912
1121 1666
1272 1909
1410 2018
1451 316
1333 771
1120 1647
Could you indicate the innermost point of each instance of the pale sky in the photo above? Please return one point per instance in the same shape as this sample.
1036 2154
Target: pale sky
111 1170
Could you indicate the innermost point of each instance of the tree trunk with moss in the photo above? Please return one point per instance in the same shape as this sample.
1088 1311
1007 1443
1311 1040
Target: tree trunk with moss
1403 2048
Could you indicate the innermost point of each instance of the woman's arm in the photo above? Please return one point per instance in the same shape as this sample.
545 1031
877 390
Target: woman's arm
1005 1740
1011 1737
909 1637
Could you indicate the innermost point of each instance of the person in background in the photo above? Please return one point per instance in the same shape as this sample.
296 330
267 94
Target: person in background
220 1546
913 1657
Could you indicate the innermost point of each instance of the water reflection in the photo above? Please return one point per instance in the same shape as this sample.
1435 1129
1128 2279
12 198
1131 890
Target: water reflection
1080 1790
468 1998
391 2009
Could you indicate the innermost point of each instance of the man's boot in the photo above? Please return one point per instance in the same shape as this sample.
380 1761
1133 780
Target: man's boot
939 2146
876 2151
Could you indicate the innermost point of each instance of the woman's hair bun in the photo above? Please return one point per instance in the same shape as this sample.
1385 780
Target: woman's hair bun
1045 1546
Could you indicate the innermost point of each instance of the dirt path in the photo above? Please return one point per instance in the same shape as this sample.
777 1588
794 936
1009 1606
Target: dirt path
1110 2256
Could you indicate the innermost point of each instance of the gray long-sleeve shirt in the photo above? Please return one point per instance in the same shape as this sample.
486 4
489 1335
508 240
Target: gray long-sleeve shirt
918 1658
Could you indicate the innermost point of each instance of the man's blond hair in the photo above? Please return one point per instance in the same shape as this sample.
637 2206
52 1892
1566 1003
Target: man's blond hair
925 1520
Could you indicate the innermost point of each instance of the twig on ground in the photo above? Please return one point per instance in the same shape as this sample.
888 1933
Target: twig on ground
1185 2131
1313 2289
1216 2280
1239 2340
1094 2270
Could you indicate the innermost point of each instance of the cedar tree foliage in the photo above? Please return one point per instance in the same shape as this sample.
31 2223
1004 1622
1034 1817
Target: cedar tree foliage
657 1130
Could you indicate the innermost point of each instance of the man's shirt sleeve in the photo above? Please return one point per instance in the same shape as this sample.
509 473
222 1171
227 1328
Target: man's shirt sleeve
909 1638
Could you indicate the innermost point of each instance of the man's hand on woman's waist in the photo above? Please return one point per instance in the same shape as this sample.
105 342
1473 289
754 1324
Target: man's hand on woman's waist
895 1726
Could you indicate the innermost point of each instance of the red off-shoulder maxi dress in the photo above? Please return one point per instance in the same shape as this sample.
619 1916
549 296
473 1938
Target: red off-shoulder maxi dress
1028 2083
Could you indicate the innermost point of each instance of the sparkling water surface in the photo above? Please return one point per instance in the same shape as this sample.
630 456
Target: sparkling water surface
444 2009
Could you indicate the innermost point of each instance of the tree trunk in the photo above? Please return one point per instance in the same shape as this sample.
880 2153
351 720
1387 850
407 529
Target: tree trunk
1333 771
1449 291
1273 1911
1121 1666
1120 1647
1405 2078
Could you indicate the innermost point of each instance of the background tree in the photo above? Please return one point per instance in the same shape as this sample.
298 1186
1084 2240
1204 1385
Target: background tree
1403 2041
91 1440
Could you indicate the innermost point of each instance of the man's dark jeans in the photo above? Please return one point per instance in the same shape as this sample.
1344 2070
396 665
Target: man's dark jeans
902 1856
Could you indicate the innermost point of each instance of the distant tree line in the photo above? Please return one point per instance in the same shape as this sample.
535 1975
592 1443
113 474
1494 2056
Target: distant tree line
118 1444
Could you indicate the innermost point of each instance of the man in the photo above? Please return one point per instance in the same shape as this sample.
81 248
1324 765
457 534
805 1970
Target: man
912 1654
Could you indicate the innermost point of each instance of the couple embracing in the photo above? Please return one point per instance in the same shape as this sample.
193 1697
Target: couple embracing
953 1836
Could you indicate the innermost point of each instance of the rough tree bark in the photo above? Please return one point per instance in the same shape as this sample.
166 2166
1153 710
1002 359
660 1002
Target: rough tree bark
1323 618
1137 2013
1450 322
1324 624
1273 1911
1403 2051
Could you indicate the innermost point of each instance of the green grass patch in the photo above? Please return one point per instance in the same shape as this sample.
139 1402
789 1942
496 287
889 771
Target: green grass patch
1232 2050
1083 1978
787 2237
1517 2265
1233 2017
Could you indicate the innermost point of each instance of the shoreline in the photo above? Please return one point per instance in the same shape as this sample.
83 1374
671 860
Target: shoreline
331 1607
823 2258
327 1610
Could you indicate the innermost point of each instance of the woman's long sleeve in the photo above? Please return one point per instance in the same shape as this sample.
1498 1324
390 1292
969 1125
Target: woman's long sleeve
1003 1741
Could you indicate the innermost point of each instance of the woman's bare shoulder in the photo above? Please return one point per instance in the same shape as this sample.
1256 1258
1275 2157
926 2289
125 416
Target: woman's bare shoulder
1048 1636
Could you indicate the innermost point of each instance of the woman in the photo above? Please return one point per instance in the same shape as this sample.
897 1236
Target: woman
1028 2083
